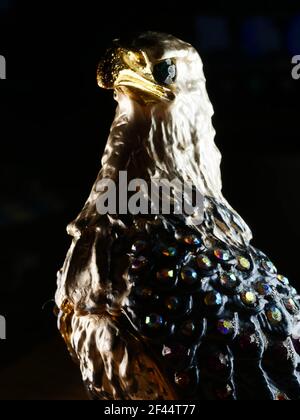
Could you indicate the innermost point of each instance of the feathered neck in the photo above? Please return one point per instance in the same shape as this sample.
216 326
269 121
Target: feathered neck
168 142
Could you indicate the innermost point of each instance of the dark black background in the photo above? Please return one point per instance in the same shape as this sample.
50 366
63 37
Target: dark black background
54 123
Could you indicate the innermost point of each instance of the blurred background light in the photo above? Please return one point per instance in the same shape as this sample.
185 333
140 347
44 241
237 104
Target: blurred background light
6 4
212 33
260 36
293 36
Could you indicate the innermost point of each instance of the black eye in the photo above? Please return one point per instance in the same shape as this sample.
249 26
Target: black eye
165 72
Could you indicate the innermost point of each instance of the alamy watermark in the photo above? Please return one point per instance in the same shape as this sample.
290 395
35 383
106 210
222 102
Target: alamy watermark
155 197
2 328
2 67
296 68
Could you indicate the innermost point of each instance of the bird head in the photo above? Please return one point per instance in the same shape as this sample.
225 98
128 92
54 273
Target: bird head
151 68
165 113
160 87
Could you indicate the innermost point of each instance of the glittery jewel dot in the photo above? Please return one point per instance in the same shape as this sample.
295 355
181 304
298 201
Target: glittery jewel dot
225 327
222 255
244 264
139 246
291 306
188 328
274 315
172 303
204 262
169 252
192 240
154 321
182 379
283 279
213 299
228 280
165 274
249 298
188 239
189 275
268 266
264 288
139 263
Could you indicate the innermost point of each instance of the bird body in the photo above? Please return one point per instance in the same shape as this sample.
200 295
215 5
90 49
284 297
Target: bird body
156 306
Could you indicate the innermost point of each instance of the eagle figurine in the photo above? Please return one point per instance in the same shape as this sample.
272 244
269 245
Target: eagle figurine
157 307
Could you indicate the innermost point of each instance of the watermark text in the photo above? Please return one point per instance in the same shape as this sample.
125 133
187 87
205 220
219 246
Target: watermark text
2 67
2 328
155 197
296 68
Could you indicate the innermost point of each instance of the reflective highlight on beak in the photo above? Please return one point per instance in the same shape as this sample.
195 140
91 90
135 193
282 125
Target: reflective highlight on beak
121 68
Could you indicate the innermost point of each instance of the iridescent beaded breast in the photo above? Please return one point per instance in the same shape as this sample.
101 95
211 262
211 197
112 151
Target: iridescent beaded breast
202 306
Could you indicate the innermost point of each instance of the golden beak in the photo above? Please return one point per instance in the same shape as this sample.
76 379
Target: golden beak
121 68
